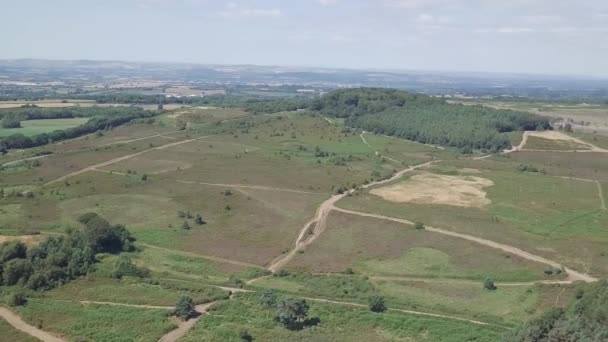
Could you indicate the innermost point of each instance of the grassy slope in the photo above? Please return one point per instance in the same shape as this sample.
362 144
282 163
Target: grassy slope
337 323
379 247
538 213
96 322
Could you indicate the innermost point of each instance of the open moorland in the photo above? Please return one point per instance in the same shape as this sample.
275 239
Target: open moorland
284 225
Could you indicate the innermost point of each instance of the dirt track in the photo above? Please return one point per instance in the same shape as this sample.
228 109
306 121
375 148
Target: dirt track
31 330
419 313
185 326
572 274
119 159
317 224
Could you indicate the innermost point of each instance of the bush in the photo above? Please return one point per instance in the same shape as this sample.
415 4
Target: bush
419 225
125 267
489 284
376 303
16 299
184 307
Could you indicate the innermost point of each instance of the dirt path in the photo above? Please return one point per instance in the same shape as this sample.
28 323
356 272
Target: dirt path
184 326
256 187
572 274
313 228
17 323
119 159
472 282
140 306
209 257
139 139
412 312
601 194
14 162
375 151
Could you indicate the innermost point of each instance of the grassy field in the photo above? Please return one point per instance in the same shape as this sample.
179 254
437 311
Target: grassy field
256 180
371 246
337 323
537 213
33 127
538 143
507 305
96 322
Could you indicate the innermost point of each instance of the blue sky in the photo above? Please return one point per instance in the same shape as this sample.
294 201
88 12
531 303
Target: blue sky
532 36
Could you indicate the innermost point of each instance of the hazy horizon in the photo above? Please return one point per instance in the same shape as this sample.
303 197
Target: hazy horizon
534 37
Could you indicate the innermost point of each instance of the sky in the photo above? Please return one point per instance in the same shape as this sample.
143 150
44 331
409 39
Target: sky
568 37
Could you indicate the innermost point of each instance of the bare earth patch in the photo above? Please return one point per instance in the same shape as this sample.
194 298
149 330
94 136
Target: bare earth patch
563 140
428 188
30 240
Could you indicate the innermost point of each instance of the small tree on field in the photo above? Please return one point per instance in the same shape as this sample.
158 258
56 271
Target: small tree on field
199 220
419 225
184 307
292 313
489 284
376 303
185 225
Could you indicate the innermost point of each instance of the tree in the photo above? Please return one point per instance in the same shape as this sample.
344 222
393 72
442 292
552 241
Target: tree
292 313
376 303
12 250
185 225
144 177
124 267
184 307
489 284
11 122
17 270
16 299
419 225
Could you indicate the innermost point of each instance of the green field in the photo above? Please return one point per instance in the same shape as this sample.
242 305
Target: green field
97 322
337 323
33 127
256 181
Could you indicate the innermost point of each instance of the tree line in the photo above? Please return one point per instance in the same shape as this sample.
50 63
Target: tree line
101 119
59 259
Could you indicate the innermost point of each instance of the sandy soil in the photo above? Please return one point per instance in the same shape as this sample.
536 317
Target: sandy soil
27 239
428 188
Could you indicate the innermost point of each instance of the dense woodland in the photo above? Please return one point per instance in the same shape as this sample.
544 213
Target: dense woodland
101 119
586 319
415 117
57 260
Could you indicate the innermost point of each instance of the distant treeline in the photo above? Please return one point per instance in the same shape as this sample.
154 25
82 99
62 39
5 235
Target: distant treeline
415 117
101 119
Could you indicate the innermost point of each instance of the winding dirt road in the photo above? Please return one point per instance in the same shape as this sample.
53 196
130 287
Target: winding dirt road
31 330
313 228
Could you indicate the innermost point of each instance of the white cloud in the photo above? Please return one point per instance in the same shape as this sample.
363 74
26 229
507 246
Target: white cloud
234 10
327 2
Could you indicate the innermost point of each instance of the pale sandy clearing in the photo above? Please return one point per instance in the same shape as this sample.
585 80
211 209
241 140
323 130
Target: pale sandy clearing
29 240
428 188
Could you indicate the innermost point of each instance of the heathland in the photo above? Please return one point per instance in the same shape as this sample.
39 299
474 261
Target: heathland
259 221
